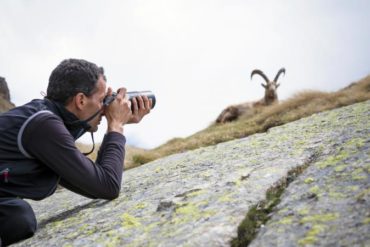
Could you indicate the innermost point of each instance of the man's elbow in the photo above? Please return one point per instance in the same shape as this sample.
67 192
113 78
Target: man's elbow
113 194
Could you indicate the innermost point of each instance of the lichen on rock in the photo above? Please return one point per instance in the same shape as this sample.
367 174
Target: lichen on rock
199 198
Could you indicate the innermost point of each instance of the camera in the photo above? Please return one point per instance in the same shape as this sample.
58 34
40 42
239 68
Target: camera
109 99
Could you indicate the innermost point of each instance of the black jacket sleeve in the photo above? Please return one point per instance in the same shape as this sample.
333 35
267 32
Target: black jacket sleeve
47 140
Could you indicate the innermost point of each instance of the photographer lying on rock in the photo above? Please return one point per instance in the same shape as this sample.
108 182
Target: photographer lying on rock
38 151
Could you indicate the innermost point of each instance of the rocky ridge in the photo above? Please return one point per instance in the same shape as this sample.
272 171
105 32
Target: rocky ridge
199 198
5 102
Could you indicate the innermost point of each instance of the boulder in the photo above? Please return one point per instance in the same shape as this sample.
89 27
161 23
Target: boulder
200 197
4 90
5 103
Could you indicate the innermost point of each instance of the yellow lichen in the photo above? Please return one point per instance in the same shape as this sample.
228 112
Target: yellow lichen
158 169
286 220
315 189
309 180
366 221
190 212
359 174
353 188
340 168
310 237
225 198
320 218
140 205
129 221
332 160
187 209
336 195
303 211
358 142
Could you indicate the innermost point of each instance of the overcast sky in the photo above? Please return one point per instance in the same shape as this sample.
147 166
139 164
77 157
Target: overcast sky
195 55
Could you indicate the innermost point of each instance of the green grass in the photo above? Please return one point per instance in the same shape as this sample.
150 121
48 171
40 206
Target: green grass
300 105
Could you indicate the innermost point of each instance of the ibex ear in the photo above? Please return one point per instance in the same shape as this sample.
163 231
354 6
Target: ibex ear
277 85
263 85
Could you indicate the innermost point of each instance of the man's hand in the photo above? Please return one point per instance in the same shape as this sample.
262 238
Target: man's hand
118 112
141 106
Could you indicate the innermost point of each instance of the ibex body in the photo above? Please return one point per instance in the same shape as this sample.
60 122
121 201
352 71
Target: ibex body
234 111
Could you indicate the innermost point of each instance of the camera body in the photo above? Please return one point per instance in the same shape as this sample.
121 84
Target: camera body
109 99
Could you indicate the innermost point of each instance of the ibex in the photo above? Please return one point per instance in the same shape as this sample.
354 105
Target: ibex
234 111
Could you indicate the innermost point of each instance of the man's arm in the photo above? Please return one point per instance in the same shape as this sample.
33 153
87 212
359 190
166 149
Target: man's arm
47 140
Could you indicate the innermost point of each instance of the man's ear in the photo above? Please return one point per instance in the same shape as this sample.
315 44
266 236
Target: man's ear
79 101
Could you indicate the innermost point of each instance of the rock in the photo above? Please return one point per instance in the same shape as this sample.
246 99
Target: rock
329 204
4 90
5 103
199 198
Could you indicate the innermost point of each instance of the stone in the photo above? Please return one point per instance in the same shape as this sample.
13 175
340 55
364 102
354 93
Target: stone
5 103
199 197
4 90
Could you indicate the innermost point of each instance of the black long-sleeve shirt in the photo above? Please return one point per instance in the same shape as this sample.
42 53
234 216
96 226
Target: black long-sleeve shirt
47 140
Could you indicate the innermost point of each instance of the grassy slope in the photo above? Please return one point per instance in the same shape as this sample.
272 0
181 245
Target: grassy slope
302 104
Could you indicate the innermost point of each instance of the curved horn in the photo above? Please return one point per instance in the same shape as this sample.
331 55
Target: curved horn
259 72
282 70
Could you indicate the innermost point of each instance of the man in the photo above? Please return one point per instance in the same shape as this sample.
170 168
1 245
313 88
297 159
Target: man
37 144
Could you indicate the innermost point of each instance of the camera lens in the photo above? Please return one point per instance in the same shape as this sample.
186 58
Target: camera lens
149 94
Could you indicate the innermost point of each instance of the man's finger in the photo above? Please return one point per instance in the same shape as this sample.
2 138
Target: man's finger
147 102
140 102
134 105
122 91
109 91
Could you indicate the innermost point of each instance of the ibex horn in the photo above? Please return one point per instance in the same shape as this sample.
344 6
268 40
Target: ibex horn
259 72
282 70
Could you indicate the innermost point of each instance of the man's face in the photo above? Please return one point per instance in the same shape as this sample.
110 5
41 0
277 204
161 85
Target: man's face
94 103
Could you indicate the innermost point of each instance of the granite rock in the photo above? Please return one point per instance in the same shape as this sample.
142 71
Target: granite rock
199 198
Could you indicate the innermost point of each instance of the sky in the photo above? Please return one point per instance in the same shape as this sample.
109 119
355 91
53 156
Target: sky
195 55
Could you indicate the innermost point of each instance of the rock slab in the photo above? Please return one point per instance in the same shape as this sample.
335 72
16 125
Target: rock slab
198 198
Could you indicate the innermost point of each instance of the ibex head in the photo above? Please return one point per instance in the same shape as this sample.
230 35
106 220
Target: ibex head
270 86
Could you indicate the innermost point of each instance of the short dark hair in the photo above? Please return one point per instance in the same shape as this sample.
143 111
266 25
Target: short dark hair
73 76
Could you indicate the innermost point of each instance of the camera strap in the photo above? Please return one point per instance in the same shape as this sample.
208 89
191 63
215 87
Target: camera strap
92 135
93 147
92 117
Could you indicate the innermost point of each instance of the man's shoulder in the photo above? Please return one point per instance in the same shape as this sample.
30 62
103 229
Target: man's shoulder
43 118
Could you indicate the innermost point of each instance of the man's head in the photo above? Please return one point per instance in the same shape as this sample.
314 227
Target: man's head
80 86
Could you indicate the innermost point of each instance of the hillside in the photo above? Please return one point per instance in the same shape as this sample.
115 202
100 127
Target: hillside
300 105
305 183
